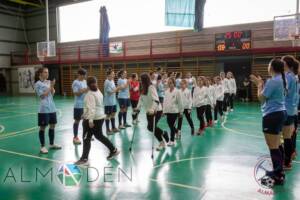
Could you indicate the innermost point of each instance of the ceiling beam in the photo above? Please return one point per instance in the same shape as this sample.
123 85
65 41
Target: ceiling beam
26 3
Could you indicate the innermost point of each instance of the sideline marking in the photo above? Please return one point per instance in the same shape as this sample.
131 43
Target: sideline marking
2 128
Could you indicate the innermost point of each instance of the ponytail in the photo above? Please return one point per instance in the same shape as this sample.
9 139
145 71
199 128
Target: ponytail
284 83
278 67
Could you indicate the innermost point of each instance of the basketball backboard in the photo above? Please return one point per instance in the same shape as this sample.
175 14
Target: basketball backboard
286 27
46 49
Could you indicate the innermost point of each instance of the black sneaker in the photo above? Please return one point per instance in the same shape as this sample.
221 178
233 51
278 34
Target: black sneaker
113 154
82 162
192 132
166 136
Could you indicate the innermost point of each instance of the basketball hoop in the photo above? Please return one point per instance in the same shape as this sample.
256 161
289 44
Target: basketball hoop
45 49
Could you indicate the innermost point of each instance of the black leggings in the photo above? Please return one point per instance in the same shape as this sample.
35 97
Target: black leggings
171 119
226 102
208 113
159 134
134 104
187 114
231 98
97 132
294 136
200 115
218 109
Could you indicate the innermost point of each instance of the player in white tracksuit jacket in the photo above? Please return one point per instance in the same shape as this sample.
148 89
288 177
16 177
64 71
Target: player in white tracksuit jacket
232 89
210 103
149 101
186 96
219 94
226 94
172 108
200 102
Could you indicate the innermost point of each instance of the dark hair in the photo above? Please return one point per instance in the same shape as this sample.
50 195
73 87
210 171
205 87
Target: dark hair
109 71
91 80
158 68
120 73
296 67
292 63
151 73
81 71
178 74
289 61
173 81
159 77
278 67
146 82
169 74
134 75
38 73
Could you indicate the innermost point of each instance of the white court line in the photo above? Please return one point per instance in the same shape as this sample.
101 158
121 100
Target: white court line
2 128
17 132
30 156
237 132
178 185
19 115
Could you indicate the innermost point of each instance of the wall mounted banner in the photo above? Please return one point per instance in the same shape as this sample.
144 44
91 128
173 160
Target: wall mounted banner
26 79
116 47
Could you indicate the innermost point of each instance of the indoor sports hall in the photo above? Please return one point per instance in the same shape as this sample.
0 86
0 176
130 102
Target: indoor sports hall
139 99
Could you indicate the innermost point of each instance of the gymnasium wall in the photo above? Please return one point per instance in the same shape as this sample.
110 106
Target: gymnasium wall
12 35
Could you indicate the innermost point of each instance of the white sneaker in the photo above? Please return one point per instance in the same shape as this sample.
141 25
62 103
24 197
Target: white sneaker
134 122
231 110
121 127
171 143
54 147
161 146
216 121
43 150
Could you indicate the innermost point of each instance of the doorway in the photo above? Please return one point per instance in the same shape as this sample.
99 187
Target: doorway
241 70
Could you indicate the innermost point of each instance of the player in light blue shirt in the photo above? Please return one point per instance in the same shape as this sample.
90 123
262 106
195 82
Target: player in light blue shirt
123 98
160 89
110 102
79 88
272 96
47 111
291 104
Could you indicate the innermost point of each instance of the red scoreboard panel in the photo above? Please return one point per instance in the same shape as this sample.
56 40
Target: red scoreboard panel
237 40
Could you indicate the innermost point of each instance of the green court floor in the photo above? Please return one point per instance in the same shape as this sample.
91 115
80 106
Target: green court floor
223 164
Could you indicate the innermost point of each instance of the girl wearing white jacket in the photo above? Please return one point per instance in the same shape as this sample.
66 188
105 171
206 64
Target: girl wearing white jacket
200 101
210 102
149 101
93 118
219 93
225 83
187 103
172 108
232 89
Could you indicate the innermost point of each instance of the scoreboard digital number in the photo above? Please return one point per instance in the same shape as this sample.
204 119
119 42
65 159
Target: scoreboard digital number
237 40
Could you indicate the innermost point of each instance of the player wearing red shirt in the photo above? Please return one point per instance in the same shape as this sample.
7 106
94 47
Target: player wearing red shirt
134 95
